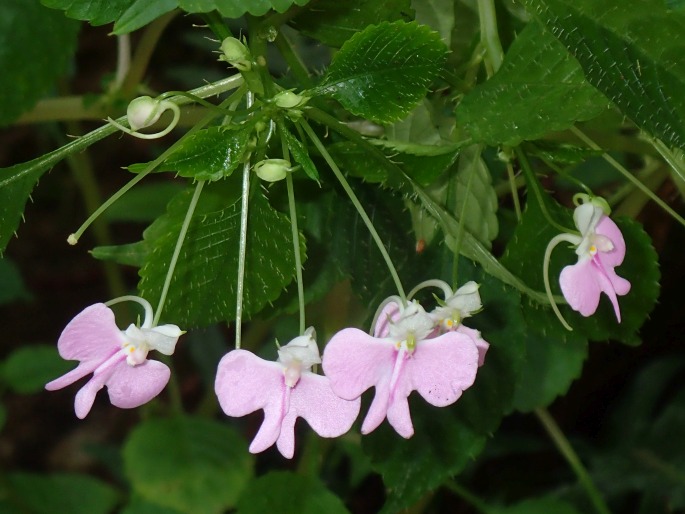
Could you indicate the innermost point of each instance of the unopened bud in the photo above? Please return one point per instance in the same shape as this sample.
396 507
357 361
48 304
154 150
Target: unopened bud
272 170
236 54
290 100
143 112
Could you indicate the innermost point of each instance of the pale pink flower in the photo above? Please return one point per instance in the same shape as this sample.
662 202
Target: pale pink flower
400 358
285 390
600 248
117 359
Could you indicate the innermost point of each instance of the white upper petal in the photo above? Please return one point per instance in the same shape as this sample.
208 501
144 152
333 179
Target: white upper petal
302 351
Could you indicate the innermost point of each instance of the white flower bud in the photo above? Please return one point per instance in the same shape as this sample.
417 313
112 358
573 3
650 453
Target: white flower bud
290 100
143 112
236 54
272 170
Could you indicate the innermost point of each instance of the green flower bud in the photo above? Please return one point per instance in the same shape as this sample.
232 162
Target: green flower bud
143 112
272 170
290 100
236 54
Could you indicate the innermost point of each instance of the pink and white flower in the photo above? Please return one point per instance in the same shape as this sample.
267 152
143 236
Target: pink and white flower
117 359
399 358
600 247
285 390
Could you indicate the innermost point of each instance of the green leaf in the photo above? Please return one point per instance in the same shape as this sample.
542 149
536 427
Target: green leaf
138 506
203 287
237 8
631 50
554 359
143 203
193 465
210 154
286 492
383 72
439 15
97 12
29 368
49 494
299 151
333 22
140 13
31 64
537 76
132 254
538 506
11 284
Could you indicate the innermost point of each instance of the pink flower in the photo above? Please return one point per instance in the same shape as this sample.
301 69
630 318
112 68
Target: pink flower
285 390
600 248
400 358
117 359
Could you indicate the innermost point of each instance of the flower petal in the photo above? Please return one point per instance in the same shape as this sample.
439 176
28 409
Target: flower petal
132 386
246 383
580 288
611 284
91 337
313 399
86 395
354 361
607 228
481 344
442 368
389 313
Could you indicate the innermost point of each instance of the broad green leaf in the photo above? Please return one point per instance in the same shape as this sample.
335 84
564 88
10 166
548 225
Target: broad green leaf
193 465
203 287
140 13
333 22
538 506
209 154
299 151
97 12
437 14
425 126
384 71
132 254
286 492
143 203
554 359
537 76
237 8
49 494
29 368
632 51
474 195
31 65
11 284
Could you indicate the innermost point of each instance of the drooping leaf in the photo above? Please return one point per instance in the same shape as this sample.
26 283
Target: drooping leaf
289 493
384 71
193 465
132 254
638 67
140 13
27 369
237 8
31 65
97 12
203 286
333 22
299 151
537 76
209 154
47 494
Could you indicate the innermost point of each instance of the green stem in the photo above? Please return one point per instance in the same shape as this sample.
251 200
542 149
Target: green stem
514 190
623 171
565 448
216 24
177 250
489 36
295 235
533 184
468 497
673 158
242 245
360 209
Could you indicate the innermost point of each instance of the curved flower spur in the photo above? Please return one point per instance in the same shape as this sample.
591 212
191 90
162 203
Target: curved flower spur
285 390
408 352
116 358
600 247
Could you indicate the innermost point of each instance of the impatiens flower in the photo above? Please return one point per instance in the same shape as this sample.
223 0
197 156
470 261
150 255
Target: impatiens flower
399 358
600 248
117 359
285 390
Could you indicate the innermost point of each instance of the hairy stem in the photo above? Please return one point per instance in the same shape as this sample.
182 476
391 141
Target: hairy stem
360 209
489 36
